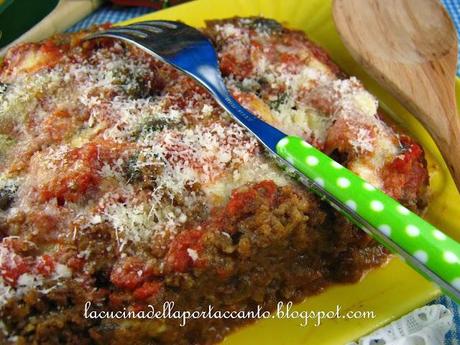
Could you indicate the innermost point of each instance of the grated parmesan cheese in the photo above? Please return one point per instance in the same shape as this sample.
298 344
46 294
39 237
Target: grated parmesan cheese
192 253
190 156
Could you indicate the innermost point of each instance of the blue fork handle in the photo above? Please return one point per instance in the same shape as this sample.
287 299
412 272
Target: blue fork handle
209 76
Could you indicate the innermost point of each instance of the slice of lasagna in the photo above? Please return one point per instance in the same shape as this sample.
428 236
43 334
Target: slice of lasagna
123 184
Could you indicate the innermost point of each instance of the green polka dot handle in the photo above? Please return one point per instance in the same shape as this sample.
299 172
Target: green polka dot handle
426 248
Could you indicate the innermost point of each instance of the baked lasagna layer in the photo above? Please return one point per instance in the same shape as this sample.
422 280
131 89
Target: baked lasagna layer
123 184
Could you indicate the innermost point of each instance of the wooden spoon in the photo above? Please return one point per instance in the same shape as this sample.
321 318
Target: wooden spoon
410 48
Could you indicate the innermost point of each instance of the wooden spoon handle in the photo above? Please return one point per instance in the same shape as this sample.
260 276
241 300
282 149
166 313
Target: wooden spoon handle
447 138
410 48
433 103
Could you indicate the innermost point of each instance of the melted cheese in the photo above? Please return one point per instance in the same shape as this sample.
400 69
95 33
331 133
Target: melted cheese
29 280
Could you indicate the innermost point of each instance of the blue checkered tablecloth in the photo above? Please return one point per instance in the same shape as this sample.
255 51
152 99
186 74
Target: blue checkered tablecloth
114 14
453 7
110 14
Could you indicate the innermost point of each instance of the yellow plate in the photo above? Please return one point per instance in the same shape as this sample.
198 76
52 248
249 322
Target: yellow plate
390 291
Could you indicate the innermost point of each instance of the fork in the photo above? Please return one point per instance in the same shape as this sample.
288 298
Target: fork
427 249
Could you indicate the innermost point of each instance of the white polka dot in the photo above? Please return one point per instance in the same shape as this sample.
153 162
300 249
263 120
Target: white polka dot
439 235
283 142
336 165
412 230
450 257
343 182
305 144
319 181
377 206
312 160
386 229
401 209
368 186
456 283
421 256
351 204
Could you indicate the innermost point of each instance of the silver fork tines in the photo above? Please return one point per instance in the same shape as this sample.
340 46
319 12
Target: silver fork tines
188 50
